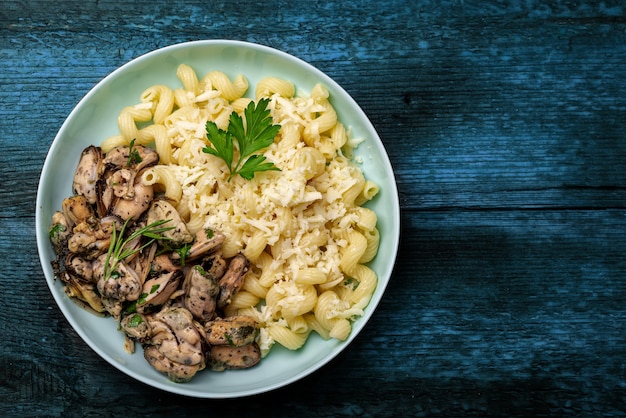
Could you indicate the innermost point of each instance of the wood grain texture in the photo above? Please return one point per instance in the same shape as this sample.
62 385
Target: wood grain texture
504 121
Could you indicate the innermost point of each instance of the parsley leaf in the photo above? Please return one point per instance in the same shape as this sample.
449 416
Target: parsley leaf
253 164
222 142
258 133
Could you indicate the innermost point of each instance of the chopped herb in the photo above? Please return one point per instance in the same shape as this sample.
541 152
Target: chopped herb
200 269
258 133
133 155
118 251
351 282
131 308
54 230
154 288
142 298
135 321
209 233
229 339
183 252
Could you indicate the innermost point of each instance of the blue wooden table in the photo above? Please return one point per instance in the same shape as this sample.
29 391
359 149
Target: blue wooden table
505 122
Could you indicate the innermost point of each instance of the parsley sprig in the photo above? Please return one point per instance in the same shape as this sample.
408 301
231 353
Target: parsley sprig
118 250
258 133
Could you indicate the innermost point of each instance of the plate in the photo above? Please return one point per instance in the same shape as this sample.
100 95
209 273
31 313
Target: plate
95 118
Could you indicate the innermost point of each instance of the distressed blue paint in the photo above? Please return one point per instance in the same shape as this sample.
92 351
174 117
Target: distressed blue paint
505 123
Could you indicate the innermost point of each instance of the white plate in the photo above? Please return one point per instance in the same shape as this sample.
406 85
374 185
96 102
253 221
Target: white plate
95 118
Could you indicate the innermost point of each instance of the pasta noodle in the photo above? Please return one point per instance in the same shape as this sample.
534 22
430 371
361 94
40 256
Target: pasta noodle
341 329
243 300
357 244
254 286
315 325
230 90
274 85
255 246
162 100
189 78
370 189
304 228
183 98
298 324
366 218
310 275
373 240
162 175
286 337
161 142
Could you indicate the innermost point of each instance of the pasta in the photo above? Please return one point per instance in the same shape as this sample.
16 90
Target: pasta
188 78
287 337
162 100
274 85
159 174
303 228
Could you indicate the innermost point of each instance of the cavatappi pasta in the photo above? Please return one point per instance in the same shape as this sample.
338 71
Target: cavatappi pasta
303 228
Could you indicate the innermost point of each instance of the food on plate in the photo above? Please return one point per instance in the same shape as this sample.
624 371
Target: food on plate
216 225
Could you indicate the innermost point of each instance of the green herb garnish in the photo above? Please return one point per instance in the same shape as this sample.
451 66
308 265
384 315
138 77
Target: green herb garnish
118 251
258 133
142 298
183 253
351 283
133 155
56 229
131 307
135 321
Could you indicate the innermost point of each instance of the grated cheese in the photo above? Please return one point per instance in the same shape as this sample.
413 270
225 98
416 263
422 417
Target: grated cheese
300 218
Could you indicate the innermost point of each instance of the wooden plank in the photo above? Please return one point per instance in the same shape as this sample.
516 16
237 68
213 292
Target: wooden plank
504 122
